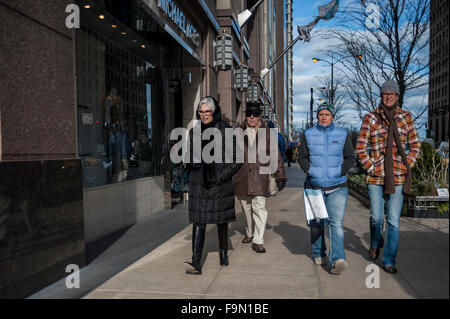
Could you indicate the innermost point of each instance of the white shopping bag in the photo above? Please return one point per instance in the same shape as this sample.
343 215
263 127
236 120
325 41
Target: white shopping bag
315 208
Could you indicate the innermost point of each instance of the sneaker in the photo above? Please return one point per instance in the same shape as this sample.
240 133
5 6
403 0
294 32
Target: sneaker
320 261
339 266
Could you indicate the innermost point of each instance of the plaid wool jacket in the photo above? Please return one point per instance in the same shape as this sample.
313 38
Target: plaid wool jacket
372 141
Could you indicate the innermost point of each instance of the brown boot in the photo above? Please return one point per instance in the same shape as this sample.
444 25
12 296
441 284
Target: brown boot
374 253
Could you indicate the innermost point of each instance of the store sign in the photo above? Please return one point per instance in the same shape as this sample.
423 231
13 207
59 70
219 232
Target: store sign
174 13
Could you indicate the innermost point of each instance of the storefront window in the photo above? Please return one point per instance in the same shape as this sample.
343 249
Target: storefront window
115 102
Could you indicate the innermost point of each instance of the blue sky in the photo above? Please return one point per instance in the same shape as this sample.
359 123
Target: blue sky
306 72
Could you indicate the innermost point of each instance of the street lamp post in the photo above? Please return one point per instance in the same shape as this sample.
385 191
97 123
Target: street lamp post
311 108
331 98
326 12
246 14
311 105
332 82
315 60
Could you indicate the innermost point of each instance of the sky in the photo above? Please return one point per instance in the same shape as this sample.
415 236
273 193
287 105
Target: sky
306 71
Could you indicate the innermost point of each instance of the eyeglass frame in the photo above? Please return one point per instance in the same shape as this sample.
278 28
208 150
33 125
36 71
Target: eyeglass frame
389 94
207 112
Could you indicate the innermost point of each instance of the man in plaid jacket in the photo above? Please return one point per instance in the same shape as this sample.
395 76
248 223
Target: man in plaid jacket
388 168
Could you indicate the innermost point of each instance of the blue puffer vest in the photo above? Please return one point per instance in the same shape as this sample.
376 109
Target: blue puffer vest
326 155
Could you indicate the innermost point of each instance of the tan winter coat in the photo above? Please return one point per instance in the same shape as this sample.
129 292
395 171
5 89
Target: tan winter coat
248 181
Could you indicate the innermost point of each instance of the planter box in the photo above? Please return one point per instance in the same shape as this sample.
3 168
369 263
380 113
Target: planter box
424 206
425 213
416 206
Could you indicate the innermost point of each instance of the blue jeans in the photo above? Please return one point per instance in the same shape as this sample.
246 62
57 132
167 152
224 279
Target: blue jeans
335 203
394 209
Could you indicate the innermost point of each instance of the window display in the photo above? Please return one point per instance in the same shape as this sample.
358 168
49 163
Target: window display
115 101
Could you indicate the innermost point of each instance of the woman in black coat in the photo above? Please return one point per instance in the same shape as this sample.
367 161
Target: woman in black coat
211 192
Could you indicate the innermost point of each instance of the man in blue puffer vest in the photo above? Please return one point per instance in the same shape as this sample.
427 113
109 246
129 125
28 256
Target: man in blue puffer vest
326 154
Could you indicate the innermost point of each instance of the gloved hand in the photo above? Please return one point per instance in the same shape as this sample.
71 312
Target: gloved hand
281 185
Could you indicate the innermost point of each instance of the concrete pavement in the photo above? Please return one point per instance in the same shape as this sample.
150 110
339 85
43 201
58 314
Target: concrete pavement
286 270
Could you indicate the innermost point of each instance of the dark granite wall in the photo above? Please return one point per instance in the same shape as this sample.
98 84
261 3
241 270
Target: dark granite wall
41 199
41 224
37 86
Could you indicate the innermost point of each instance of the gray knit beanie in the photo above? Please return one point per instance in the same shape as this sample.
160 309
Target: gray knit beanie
390 85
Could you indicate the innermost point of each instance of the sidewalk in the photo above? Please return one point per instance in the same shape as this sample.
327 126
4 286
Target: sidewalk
286 270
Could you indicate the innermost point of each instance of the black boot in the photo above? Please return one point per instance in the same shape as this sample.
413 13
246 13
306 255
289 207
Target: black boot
223 254
222 230
198 240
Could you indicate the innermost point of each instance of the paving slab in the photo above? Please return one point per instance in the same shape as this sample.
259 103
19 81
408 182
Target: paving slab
286 270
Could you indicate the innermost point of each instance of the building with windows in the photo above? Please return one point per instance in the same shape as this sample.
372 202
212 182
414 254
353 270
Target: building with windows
439 72
266 34
86 114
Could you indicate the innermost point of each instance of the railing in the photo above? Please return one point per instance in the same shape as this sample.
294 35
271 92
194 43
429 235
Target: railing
359 192
425 206
414 206
424 202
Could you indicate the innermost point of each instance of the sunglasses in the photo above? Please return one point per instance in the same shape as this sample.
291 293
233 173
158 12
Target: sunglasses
255 114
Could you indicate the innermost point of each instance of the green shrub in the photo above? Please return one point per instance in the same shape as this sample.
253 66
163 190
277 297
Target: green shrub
442 208
430 170
358 179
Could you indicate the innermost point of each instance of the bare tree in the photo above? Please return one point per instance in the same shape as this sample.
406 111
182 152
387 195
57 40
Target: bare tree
381 40
339 97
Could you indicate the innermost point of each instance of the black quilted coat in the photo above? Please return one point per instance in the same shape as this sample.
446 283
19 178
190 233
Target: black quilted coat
211 192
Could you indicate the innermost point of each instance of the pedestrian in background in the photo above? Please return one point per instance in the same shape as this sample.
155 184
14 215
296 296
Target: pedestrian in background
388 131
252 187
211 192
282 148
289 153
326 154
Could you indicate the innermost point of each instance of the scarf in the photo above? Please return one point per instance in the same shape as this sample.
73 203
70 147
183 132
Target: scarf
389 181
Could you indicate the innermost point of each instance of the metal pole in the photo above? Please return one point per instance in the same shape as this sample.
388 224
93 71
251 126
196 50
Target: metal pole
332 83
284 52
290 95
252 10
311 108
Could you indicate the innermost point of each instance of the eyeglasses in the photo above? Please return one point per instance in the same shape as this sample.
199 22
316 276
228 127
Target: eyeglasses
208 112
254 114
388 94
